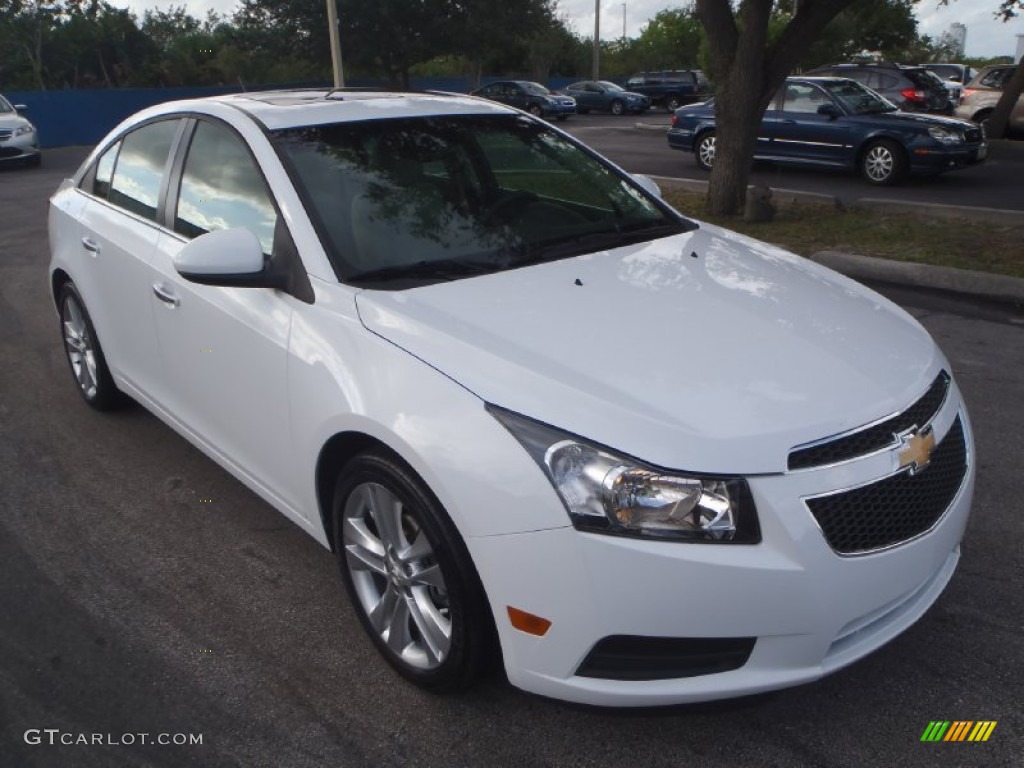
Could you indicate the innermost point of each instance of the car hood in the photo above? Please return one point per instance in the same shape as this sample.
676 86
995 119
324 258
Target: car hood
921 119
705 351
9 122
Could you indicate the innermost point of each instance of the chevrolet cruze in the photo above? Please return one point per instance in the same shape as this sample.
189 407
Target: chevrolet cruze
538 414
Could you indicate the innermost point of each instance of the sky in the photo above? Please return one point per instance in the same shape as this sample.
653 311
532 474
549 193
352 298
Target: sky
986 36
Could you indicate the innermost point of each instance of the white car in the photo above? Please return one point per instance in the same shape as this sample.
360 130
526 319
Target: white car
535 411
19 141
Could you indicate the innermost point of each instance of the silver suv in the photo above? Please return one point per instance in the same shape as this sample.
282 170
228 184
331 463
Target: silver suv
983 93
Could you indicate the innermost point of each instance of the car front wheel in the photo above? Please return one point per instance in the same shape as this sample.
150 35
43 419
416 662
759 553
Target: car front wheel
705 151
883 162
534 110
408 574
84 354
617 107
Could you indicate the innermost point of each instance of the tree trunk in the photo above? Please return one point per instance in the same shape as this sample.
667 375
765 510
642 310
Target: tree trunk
1000 119
737 114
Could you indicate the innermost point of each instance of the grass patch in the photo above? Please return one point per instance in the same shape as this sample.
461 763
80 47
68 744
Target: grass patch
807 228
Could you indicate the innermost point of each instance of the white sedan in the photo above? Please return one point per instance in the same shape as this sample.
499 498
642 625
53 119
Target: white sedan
534 411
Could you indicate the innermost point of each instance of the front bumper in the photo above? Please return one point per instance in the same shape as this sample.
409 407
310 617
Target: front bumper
811 610
936 159
19 148
554 110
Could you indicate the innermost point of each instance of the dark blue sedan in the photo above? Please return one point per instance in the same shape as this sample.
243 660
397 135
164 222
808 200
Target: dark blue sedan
826 121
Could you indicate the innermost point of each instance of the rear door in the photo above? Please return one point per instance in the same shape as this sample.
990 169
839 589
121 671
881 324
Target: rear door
120 234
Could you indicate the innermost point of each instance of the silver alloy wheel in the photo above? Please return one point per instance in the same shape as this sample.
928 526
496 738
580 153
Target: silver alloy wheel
879 163
396 576
706 151
79 347
617 107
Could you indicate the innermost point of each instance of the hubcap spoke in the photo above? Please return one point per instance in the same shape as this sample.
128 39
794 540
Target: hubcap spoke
384 612
398 638
387 514
433 627
429 577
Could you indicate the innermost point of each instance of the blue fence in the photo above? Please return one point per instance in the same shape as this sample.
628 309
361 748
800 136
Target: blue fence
83 117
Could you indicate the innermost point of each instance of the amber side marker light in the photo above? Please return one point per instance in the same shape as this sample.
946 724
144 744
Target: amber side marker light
527 622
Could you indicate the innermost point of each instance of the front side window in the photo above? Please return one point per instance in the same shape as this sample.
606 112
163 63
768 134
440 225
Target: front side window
444 197
140 167
221 188
803 98
857 99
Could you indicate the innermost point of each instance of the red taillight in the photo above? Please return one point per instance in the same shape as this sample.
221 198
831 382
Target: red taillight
967 93
674 118
911 95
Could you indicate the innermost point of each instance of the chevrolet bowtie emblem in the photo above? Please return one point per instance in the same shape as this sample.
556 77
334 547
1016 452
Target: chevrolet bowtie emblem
915 450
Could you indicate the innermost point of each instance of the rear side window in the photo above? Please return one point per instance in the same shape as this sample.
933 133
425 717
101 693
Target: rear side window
221 188
140 167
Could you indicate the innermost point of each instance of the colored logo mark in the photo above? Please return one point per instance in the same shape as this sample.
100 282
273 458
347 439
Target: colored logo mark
958 730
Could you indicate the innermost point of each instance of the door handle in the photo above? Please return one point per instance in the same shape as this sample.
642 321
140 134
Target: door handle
166 296
90 245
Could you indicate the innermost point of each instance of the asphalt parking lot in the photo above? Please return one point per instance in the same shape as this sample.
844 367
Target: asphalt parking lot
146 591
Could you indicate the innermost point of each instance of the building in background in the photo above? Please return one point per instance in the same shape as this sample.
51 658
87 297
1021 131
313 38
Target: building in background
958 38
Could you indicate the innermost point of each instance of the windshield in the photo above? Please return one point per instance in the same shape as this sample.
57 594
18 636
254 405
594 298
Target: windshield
946 71
427 199
5 106
535 88
609 86
857 99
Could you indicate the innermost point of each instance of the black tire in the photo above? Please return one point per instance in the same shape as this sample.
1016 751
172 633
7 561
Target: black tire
704 150
617 107
582 111
534 110
34 162
562 118
83 352
883 162
461 598
982 118
672 103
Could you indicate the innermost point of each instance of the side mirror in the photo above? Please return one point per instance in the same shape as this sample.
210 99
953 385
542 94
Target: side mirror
831 111
226 257
20 107
648 184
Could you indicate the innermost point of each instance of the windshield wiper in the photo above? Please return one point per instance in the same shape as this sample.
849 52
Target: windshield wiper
627 234
436 269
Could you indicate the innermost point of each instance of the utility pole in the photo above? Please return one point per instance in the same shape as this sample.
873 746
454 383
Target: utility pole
596 73
332 23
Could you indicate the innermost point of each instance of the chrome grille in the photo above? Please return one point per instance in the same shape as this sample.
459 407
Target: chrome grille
897 508
873 438
4 135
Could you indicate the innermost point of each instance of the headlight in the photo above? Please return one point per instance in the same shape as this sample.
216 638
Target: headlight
608 493
945 135
22 130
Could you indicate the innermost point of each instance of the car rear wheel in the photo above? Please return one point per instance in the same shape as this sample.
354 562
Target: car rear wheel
705 150
617 107
982 118
84 354
883 162
672 103
534 110
408 574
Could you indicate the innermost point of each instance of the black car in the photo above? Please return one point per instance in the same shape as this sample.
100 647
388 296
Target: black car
670 88
912 89
835 122
529 97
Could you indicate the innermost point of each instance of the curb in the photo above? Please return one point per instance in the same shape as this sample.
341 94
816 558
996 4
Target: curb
982 285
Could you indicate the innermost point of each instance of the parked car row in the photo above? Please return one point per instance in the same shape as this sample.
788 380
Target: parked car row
837 122
983 93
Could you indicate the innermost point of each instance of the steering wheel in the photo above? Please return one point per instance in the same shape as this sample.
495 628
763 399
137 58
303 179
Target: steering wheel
508 200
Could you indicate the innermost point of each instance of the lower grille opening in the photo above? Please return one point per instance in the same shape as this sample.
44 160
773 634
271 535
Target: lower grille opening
633 657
